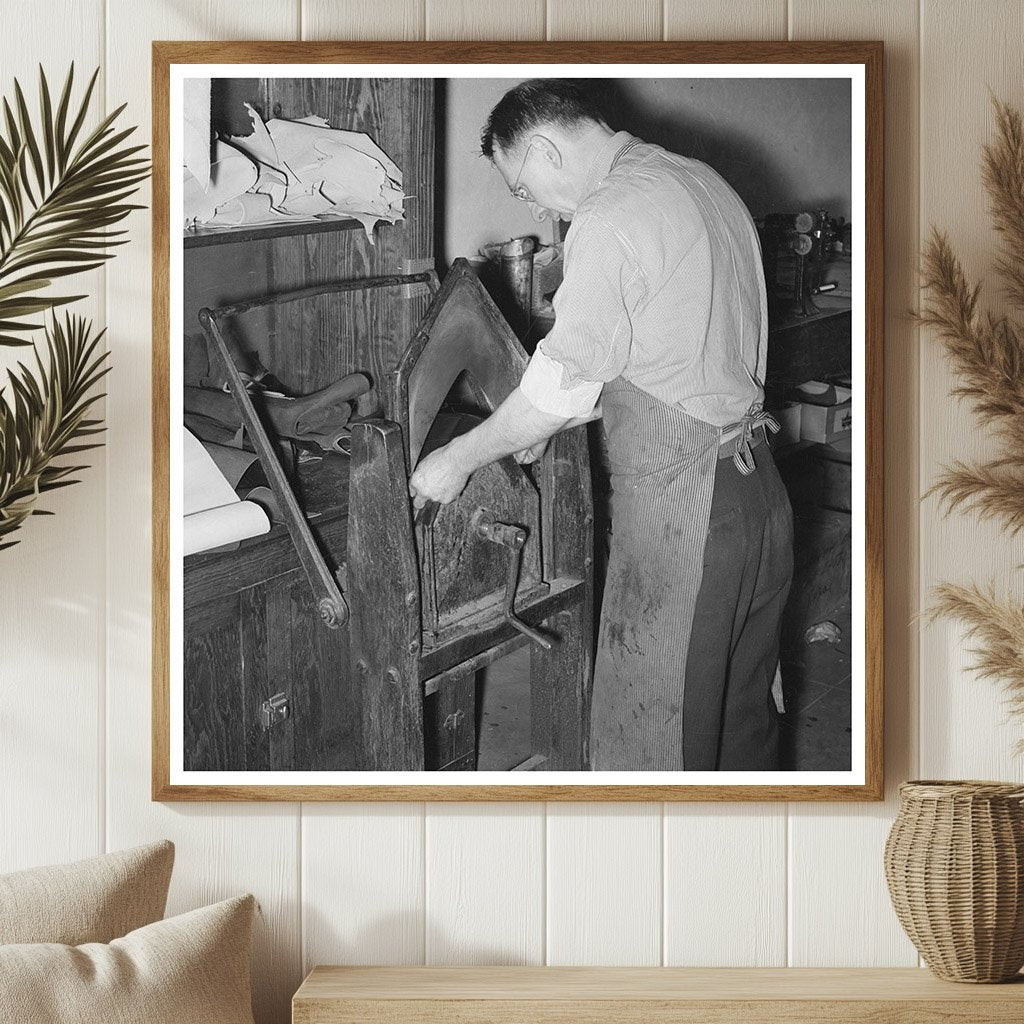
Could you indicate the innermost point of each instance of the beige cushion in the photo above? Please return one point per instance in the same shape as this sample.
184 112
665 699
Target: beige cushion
93 900
190 969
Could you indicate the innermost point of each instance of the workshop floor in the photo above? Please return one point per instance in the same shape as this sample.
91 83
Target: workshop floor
816 682
504 691
816 728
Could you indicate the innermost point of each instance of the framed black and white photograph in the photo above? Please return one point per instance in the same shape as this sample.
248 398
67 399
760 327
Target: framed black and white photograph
517 421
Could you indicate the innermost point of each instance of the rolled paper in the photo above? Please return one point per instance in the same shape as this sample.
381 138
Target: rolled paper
226 525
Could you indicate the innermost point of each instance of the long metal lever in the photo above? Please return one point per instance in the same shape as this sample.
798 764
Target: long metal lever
513 538
330 601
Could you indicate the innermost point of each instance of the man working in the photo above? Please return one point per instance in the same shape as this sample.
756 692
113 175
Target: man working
662 315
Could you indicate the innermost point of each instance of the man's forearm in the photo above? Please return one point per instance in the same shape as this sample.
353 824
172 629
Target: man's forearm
513 427
517 425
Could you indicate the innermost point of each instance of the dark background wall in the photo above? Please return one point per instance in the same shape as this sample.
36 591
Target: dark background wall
781 143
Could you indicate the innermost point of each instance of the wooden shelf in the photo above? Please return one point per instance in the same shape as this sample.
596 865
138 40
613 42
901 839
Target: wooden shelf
629 995
209 575
197 238
828 307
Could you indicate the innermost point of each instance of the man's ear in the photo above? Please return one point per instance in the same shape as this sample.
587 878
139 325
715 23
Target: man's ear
547 148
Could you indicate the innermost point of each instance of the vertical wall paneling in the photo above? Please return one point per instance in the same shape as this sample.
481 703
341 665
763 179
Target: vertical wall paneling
362 888
222 849
604 19
967 49
726 19
725 885
835 852
485 19
567 883
384 19
604 884
485 883
725 866
51 582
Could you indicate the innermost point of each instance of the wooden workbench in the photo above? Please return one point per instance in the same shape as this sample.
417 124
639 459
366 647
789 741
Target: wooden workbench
623 995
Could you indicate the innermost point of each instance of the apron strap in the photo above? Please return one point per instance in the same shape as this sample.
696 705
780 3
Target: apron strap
755 419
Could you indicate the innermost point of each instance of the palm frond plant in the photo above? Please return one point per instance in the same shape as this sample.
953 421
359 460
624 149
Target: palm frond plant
987 354
48 418
63 189
61 193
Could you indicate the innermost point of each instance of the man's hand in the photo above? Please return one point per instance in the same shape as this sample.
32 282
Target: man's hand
515 426
438 477
533 453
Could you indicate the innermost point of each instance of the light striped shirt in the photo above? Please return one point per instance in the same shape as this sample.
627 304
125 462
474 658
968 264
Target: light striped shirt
663 285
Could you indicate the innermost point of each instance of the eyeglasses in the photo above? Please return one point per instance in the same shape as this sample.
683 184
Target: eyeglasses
521 192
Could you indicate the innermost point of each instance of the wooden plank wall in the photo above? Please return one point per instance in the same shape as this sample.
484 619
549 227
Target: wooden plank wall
52 586
515 883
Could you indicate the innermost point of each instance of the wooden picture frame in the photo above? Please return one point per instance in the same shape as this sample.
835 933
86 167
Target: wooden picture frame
384 445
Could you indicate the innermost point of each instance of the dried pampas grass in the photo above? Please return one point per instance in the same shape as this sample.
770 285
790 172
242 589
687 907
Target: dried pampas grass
987 354
995 627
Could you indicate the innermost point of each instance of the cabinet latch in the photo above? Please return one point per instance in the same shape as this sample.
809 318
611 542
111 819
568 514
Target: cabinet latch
274 711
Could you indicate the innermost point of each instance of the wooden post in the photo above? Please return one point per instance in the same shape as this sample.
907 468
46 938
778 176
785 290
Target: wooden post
561 679
560 691
383 585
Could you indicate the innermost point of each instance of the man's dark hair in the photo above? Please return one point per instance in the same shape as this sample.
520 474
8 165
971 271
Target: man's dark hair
563 101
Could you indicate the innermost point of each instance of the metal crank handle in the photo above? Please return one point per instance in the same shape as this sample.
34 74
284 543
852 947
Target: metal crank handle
517 623
513 538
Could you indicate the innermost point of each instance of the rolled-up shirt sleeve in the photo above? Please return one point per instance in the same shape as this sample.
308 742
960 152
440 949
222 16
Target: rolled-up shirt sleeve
542 386
590 342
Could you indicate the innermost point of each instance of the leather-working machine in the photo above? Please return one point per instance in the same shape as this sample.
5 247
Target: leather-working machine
427 601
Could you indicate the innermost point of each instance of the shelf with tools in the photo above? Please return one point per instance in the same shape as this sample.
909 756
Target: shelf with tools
808 387
818 474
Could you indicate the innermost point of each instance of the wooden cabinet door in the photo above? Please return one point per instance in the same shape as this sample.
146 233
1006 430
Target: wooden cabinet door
245 648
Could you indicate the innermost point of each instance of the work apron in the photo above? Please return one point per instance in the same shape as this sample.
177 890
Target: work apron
662 466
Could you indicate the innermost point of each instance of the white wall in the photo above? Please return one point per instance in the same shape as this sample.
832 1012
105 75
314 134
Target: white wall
641 884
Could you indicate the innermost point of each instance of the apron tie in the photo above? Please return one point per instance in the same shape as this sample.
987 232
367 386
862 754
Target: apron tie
743 458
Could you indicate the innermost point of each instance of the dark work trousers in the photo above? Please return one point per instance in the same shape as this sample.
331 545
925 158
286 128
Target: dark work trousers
729 718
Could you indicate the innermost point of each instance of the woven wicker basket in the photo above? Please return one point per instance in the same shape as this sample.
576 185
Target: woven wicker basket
954 861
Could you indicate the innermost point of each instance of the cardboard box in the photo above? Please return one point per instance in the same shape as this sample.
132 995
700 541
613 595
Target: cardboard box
788 419
826 423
